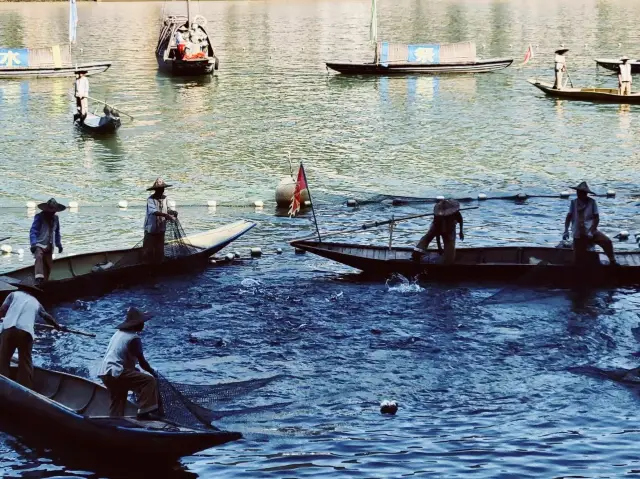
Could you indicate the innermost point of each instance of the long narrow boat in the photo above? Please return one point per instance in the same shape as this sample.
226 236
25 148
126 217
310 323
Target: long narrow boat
613 64
97 273
67 411
609 95
548 266
405 68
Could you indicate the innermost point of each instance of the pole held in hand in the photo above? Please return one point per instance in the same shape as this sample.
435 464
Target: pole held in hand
64 329
110 106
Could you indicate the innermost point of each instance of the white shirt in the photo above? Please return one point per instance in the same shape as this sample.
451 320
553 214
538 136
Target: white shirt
179 38
22 311
152 222
561 62
582 214
625 72
82 87
119 354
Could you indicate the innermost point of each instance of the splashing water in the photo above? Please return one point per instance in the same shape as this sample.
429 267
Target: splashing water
399 284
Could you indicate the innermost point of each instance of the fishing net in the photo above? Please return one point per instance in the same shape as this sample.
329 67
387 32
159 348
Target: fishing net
192 405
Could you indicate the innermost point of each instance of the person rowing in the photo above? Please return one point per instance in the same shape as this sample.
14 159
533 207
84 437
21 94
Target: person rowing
155 223
446 214
560 67
584 218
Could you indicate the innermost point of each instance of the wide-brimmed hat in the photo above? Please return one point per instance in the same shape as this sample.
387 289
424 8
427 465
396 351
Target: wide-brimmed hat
52 206
562 51
8 283
135 318
183 28
159 185
583 187
446 207
80 70
624 58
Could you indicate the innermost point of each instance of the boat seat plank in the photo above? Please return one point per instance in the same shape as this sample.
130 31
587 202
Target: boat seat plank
74 394
45 383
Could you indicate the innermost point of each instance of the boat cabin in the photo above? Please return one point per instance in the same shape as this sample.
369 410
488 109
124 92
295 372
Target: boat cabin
183 40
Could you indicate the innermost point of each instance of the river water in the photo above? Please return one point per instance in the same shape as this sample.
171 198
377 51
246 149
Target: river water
484 390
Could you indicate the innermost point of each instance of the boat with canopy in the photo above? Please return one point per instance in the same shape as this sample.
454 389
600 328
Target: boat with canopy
54 61
428 58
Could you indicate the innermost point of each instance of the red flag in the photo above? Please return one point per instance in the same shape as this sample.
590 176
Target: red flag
528 55
301 184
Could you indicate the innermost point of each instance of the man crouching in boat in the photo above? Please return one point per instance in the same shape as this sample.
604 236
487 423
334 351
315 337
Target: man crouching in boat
446 214
155 223
584 218
118 370
18 314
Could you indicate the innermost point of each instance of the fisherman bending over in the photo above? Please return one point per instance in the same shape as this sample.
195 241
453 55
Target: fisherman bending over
118 370
624 76
584 218
155 223
446 214
81 94
560 67
20 310
44 234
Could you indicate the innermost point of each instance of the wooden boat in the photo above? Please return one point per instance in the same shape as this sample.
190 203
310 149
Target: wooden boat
99 124
433 58
55 61
484 265
613 64
97 273
609 95
66 411
198 58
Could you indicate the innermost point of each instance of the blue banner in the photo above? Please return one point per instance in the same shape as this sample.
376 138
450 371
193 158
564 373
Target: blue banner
424 53
384 54
14 58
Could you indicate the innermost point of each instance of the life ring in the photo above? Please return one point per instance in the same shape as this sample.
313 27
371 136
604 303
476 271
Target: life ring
200 20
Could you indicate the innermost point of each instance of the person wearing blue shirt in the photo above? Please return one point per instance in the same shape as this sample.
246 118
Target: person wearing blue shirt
44 234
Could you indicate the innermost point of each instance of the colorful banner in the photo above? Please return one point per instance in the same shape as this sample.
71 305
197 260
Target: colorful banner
14 58
424 53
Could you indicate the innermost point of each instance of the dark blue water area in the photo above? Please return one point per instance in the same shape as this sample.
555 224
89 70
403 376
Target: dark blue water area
484 389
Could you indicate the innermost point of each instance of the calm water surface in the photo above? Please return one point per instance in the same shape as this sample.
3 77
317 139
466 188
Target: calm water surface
483 390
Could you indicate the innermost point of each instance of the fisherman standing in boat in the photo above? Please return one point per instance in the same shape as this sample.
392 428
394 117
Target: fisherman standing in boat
560 67
446 214
81 94
118 370
155 224
584 218
624 76
18 314
44 234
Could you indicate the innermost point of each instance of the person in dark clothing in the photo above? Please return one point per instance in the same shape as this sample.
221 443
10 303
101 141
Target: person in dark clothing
446 216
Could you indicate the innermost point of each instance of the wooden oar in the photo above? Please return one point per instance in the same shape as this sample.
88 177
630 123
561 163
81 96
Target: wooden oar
569 77
67 330
110 106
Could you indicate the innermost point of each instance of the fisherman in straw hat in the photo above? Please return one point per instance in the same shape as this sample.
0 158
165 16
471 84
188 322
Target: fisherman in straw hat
18 314
155 223
560 67
624 76
584 218
81 92
44 234
446 214
118 369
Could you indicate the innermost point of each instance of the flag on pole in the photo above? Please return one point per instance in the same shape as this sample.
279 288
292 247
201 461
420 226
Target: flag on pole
301 184
373 25
73 20
528 55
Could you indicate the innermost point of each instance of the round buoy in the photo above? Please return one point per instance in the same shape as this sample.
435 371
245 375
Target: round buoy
73 205
5 248
611 193
565 194
279 250
307 204
352 203
31 204
388 407
623 235
284 191
482 196
236 254
258 204
521 196
123 204
212 261
256 252
440 198
230 257
212 203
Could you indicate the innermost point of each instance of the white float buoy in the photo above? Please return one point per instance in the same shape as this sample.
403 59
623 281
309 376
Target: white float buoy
229 257
123 204
284 191
256 252
565 194
258 204
31 205
73 205
611 193
623 235
388 407
171 204
307 203
236 254
212 261
279 250
440 198
521 196
212 203
5 248
482 196
352 203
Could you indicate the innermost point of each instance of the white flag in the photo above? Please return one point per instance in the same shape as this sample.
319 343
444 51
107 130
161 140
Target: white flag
73 20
